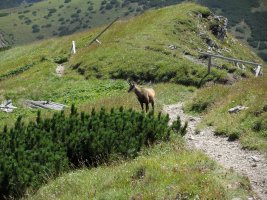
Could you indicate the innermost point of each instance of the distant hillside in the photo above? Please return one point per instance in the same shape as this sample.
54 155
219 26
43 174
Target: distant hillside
48 18
13 3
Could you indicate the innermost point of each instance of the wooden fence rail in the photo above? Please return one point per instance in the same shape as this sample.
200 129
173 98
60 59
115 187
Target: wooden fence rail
210 55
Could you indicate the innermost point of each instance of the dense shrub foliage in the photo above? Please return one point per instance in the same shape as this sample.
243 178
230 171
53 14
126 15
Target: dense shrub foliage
29 153
4 14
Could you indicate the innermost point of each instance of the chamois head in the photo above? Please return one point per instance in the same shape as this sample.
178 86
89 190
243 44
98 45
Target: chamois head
132 86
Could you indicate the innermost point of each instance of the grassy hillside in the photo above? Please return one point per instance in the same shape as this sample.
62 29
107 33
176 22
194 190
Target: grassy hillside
135 48
47 19
161 47
249 125
167 171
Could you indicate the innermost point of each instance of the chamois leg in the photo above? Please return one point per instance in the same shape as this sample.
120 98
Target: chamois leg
152 103
142 106
147 107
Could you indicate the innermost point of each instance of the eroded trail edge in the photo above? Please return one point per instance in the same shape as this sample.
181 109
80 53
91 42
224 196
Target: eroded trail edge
229 154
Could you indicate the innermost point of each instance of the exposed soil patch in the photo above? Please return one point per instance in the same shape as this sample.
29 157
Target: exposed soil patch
229 154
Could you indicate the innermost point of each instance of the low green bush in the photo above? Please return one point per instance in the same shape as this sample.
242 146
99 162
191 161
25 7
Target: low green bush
47 147
61 59
178 128
4 14
240 29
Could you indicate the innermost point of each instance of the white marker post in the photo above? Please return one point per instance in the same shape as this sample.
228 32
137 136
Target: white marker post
73 50
258 70
98 41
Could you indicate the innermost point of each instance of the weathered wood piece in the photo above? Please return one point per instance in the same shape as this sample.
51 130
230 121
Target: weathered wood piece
7 106
45 105
95 39
237 109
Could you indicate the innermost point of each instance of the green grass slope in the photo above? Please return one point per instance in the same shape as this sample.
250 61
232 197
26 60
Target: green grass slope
249 125
148 38
167 171
51 18
135 48
48 18
138 49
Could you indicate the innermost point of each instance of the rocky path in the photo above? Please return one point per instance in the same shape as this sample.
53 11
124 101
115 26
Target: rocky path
229 154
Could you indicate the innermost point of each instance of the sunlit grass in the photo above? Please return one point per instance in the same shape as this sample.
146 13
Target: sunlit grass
249 125
166 171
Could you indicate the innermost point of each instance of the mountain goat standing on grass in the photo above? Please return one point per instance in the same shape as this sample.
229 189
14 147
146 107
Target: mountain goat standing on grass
144 95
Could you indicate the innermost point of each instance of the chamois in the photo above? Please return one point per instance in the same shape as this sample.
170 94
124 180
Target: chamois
144 95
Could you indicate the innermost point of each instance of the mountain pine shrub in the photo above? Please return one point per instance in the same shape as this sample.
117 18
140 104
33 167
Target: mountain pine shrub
49 146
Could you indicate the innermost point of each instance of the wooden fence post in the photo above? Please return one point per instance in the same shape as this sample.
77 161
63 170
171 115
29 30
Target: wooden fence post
209 65
258 70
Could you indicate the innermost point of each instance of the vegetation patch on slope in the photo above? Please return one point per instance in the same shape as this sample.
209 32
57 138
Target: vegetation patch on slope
166 171
48 19
129 47
15 72
50 146
249 125
139 48
132 49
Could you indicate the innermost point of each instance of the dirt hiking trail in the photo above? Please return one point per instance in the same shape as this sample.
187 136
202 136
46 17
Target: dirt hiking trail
229 154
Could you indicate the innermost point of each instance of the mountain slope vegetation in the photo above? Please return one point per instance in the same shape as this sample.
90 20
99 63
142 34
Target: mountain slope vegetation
14 3
167 171
47 19
136 48
250 125
161 47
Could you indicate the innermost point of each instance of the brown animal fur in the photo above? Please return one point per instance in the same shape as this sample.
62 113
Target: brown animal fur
144 95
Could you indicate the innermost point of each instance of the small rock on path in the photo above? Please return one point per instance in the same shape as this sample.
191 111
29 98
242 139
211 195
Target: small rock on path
60 70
